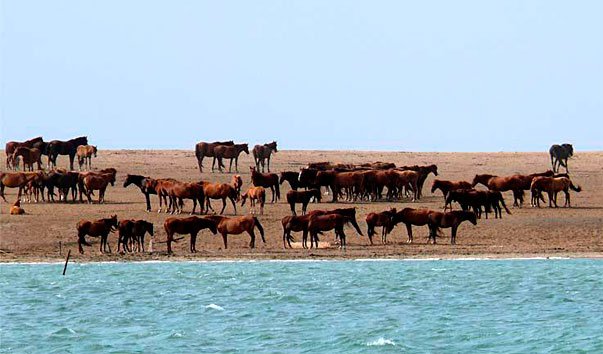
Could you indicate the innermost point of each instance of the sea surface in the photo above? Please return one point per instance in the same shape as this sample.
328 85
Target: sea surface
440 306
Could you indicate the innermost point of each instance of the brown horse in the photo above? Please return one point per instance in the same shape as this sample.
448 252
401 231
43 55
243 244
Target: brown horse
131 233
321 223
11 146
92 182
383 219
161 187
191 225
238 225
402 179
423 171
16 208
255 195
290 176
452 219
30 156
84 155
302 197
219 191
16 180
69 147
237 183
266 180
231 153
552 185
516 183
99 228
447 186
410 217
203 149
178 191
261 154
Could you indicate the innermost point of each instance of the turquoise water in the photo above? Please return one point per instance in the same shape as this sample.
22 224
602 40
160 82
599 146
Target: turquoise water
505 306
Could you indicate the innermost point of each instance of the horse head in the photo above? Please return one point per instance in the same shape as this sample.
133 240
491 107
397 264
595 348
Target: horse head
435 185
94 150
272 146
149 227
113 222
569 148
246 148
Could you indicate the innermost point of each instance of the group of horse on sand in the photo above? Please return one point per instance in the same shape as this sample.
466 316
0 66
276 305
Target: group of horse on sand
31 152
219 150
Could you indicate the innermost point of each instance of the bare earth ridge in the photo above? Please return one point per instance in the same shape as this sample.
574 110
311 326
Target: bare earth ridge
528 232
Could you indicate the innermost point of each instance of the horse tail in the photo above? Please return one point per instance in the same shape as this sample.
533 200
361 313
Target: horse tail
260 227
575 188
502 201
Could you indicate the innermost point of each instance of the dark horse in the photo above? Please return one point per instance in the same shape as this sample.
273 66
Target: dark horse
140 182
261 153
191 225
99 228
231 153
11 146
203 149
451 219
69 147
559 155
303 198
266 180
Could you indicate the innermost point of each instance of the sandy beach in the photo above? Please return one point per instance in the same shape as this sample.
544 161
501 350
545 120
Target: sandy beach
48 229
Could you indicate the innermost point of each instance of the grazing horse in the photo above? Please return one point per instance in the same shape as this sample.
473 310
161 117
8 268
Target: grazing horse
16 180
238 225
203 149
255 195
261 153
131 232
383 219
16 208
302 197
266 180
292 177
84 155
11 146
141 182
191 225
552 185
94 181
410 217
231 153
452 219
447 186
69 147
516 183
219 191
321 223
559 155
99 228
30 156
178 191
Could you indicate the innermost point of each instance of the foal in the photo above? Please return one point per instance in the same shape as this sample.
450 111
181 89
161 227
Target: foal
255 195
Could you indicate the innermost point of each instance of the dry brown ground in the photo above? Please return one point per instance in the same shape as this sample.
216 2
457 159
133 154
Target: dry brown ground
527 232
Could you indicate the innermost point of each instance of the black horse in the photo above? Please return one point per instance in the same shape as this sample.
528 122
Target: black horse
559 155
140 182
261 154
69 147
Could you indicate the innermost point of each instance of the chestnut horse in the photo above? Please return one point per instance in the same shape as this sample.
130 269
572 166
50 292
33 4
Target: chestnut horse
16 208
552 185
231 153
410 217
266 180
84 155
16 180
447 186
11 146
99 228
452 219
423 171
131 232
255 195
302 197
261 154
383 219
69 147
237 183
516 183
219 191
191 225
238 225
321 223
203 149
30 156
178 191
96 181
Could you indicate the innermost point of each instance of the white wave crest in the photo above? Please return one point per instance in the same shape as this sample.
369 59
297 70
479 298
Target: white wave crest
214 307
381 342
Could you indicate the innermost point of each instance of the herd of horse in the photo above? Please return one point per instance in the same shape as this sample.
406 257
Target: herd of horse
364 182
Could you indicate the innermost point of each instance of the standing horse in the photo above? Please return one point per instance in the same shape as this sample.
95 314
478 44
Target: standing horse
219 191
321 223
99 228
450 219
238 225
30 156
191 225
140 182
423 171
552 185
16 180
266 180
203 149
516 183
69 147
84 155
131 232
383 219
292 177
182 190
410 217
447 186
255 195
302 197
559 155
11 146
237 183
231 153
261 154
98 182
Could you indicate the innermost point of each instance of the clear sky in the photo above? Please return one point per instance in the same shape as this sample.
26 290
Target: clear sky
508 75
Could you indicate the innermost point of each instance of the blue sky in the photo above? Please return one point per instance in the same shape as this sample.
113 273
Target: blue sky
370 75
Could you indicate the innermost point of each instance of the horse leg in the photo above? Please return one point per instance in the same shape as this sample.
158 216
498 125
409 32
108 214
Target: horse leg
234 205
236 164
273 194
193 243
252 235
453 235
170 238
230 166
223 205
225 239
268 161
194 206
292 205
409 232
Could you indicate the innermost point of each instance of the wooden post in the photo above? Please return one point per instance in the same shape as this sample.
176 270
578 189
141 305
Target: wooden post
60 248
66 261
